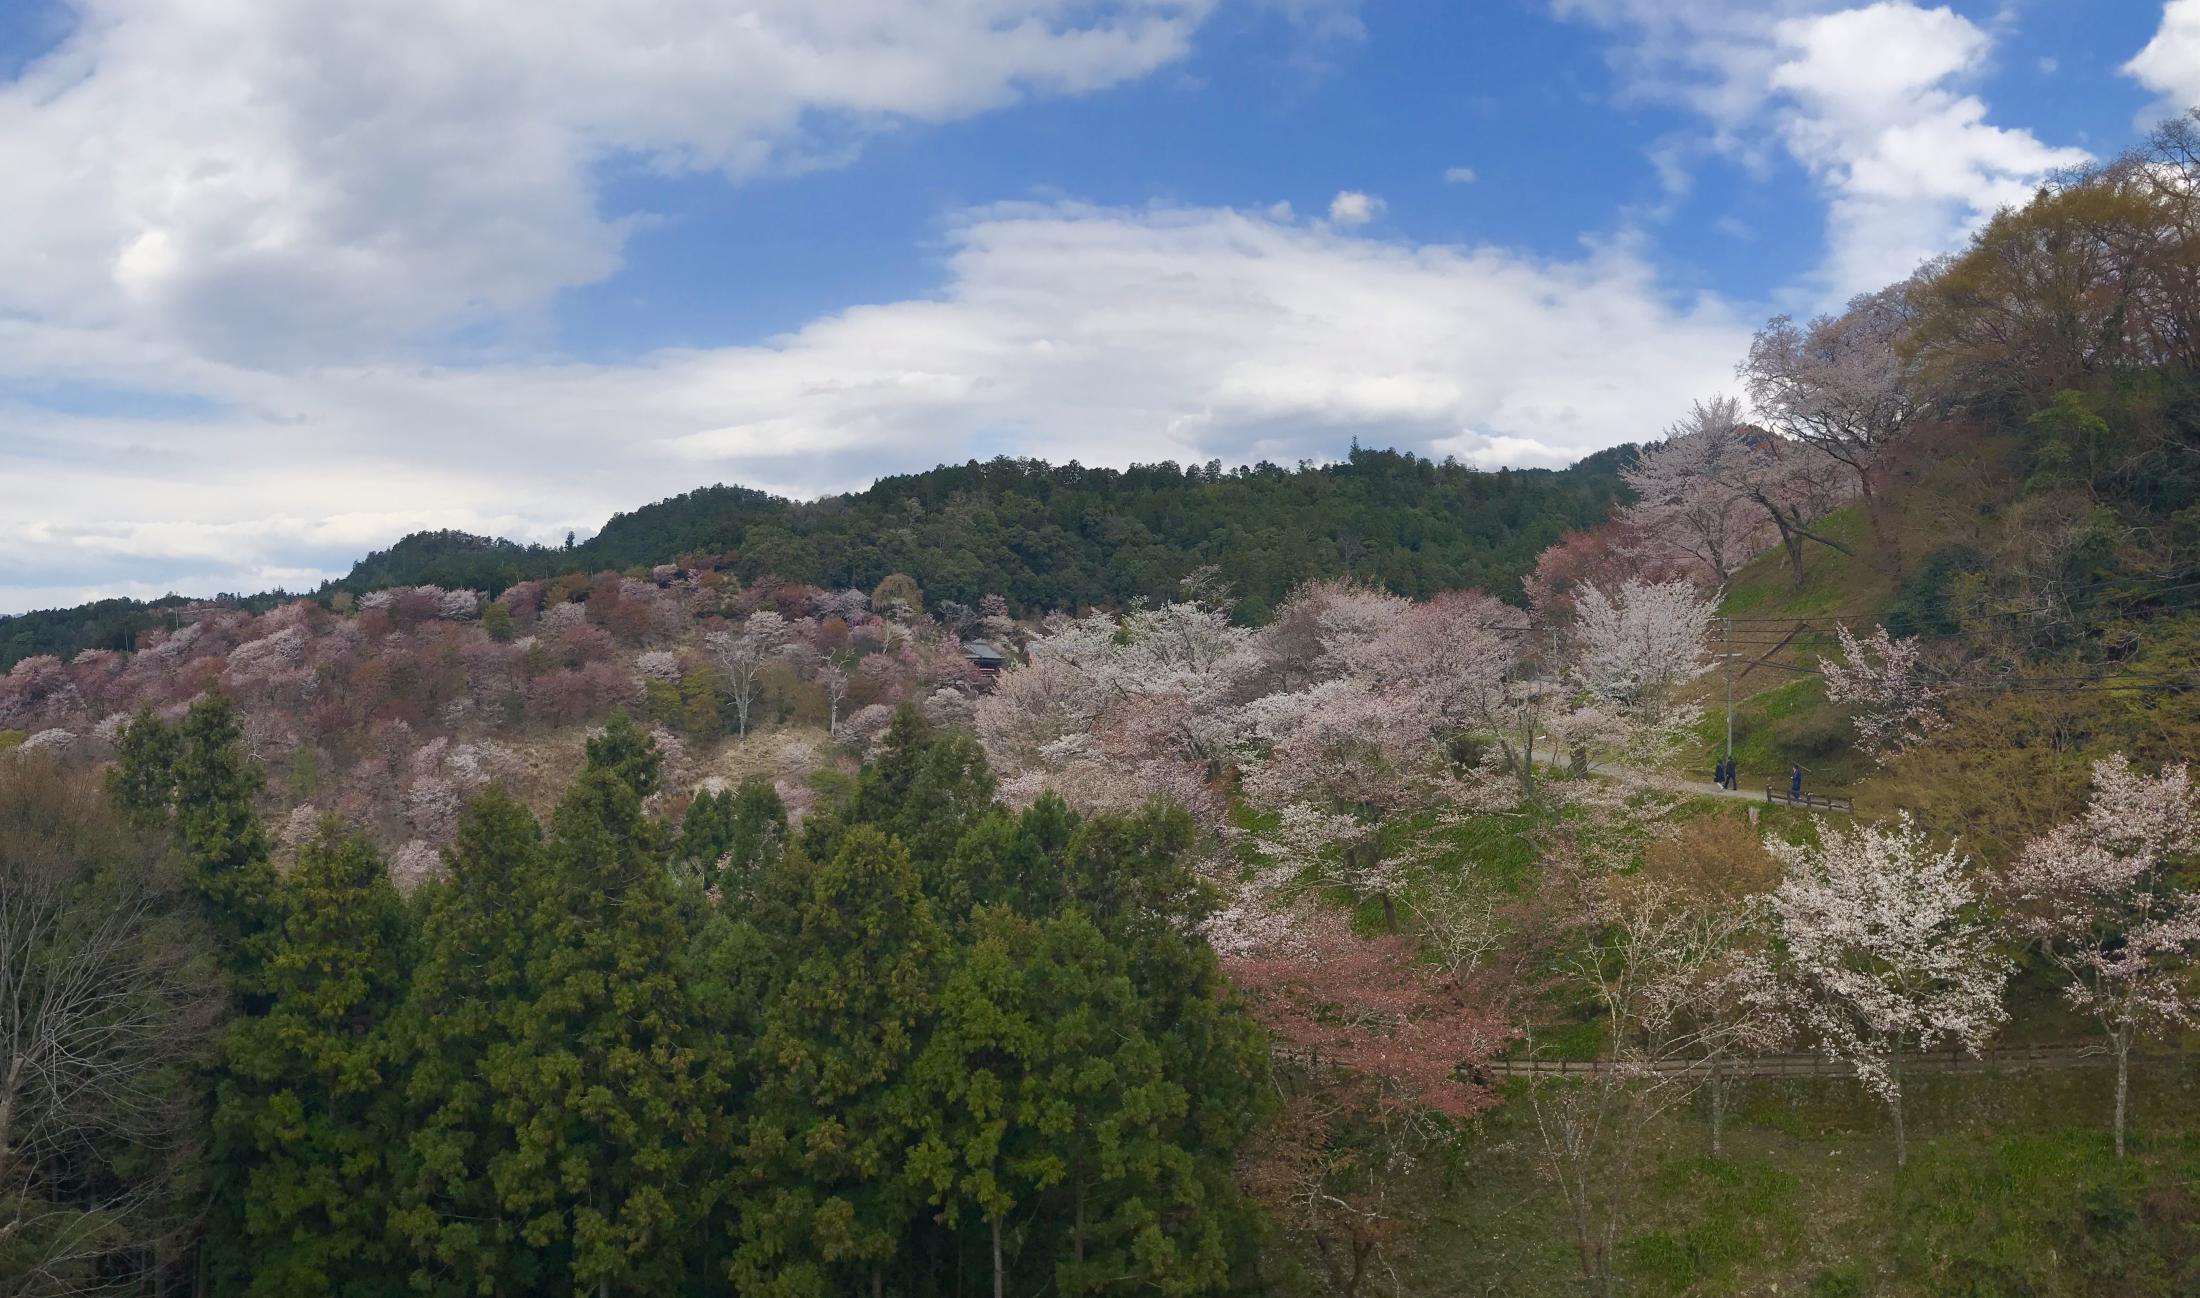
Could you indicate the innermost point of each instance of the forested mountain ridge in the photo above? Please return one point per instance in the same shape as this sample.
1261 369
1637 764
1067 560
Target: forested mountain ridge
1067 536
1044 537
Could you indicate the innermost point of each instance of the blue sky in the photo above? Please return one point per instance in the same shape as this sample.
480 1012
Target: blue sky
281 281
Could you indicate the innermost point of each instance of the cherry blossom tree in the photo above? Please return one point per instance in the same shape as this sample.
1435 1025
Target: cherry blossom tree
832 678
1787 484
1885 680
1838 384
2102 898
1371 1041
1110 711
1886 951
1634 649
1686 506
743 655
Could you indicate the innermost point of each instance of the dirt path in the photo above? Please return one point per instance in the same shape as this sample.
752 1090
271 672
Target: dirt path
1702 788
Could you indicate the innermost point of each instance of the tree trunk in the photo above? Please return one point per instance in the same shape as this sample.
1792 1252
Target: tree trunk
2123 1084
1901 1138
878 1282
1794 543
1360 1252
1390 912
1718 1107
7 1108
1000 1280
1077 1229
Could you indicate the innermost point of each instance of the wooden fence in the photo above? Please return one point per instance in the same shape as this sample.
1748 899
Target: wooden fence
1823 801
1996 1059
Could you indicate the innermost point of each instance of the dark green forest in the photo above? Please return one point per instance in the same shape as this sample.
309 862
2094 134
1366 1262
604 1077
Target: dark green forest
925 1041
1045 537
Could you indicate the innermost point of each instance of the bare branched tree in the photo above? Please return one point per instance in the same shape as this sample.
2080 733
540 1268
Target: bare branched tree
108 999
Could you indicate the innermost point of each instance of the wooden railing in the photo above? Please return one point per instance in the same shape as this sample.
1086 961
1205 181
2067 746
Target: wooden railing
1991 1060
1823 801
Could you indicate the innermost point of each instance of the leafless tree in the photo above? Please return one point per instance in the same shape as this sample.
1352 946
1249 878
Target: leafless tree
1665 969
107 999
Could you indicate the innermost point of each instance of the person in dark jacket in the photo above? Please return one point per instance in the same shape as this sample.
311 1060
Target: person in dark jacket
1732 777
1795 782
1718 772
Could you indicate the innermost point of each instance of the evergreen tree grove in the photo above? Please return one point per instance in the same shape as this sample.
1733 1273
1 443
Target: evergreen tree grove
307 1122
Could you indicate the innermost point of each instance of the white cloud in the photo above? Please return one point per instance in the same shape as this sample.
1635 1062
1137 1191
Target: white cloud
1063 331
1351 207
1910 166
294 179
1459 175
1868 98
2169 65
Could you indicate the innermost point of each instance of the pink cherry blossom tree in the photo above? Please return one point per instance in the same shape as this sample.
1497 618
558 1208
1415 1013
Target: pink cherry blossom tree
1785 484
1839 383
1685 506
1886 951
2102 899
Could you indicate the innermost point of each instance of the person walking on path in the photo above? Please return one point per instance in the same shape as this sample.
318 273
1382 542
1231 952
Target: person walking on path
1718 773
1795 783
1733 779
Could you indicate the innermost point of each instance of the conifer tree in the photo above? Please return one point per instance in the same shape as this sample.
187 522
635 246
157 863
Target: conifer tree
829 1204
142 781
308 1115
927 788
591 1095
975 1155
467 991
219 829
727 836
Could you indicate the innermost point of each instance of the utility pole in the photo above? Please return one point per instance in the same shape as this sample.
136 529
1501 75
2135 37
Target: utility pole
1728 636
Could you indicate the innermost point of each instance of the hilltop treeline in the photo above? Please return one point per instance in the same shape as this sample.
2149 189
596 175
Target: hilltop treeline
1042 536
1066 536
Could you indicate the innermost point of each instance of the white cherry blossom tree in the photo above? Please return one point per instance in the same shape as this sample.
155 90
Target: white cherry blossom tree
1885 679
1635 648
2102 899
743 655
1684 506
1887 951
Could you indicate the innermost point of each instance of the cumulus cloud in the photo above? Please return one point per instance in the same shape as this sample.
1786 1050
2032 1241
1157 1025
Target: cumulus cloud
295 180
1910 165
1109 335
1459 175
1351 207
1870 99
2169 65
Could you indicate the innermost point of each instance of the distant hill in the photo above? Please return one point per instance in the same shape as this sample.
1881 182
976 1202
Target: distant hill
1043 536
1066 536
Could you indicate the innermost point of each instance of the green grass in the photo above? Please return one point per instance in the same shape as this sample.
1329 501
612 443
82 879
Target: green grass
1779 727
1722 1215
